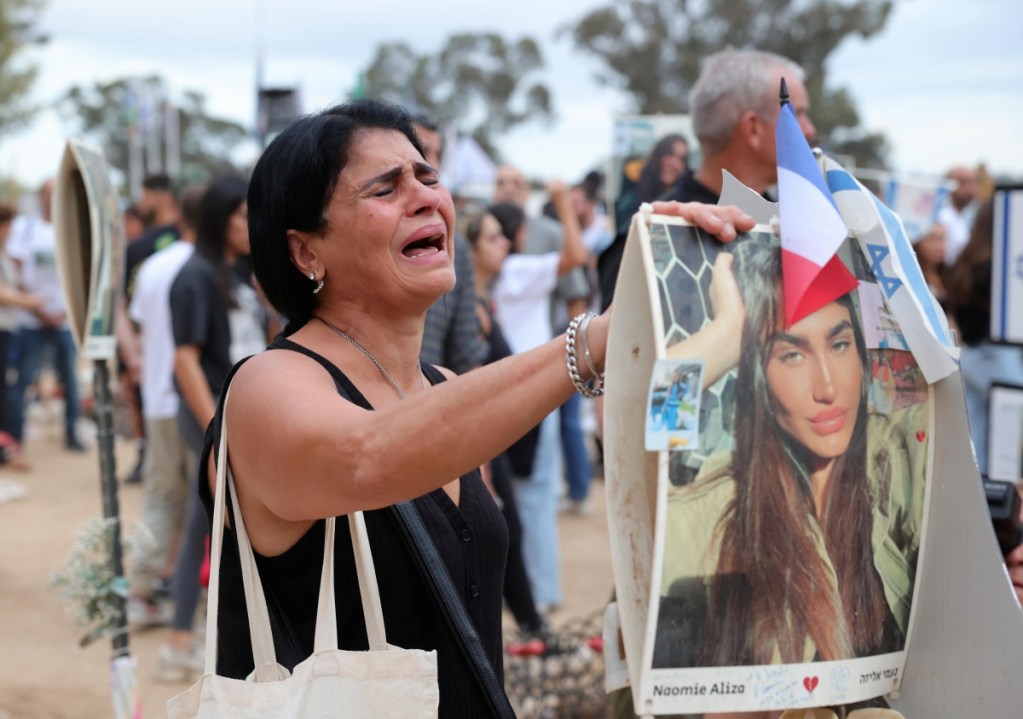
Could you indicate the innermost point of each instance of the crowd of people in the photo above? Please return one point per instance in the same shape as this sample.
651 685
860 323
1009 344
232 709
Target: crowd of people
337 254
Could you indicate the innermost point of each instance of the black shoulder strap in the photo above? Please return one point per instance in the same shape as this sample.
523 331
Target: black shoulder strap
344 386
435 574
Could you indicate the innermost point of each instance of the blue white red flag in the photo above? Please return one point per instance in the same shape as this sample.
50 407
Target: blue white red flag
811 228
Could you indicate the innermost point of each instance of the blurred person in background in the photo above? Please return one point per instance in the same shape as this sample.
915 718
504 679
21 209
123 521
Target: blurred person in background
930 254
160 212
665 164
134 223
32 247
548 233
956 215
522 293
982 361
490 249
11 299
587 202
169 465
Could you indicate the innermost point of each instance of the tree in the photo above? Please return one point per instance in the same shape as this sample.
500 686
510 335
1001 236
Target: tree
17 21
116 114
477 83
652 49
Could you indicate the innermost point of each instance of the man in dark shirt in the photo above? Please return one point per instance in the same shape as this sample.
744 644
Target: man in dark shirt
734 106
160 210
159 206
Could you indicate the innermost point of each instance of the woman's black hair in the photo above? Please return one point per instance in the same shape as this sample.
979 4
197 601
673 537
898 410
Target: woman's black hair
511 218
222 199
649 186
473 228
291 186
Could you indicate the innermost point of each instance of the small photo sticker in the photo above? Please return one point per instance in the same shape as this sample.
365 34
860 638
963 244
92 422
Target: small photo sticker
673 406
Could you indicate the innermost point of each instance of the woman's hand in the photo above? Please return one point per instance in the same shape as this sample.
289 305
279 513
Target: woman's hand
557 190
723 222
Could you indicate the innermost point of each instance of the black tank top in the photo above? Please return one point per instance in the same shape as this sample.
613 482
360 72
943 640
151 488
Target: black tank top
471 538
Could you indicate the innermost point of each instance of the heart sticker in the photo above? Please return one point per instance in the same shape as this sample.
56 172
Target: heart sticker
921 436
810 683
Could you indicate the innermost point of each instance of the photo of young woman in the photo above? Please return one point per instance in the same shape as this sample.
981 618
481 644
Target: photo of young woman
800 542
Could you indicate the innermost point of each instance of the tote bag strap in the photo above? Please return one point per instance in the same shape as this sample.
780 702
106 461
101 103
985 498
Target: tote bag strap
264 656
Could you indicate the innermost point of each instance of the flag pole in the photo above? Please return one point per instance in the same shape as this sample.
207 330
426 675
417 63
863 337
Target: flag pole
783 93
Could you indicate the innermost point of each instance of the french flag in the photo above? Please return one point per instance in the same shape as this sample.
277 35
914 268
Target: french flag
811 228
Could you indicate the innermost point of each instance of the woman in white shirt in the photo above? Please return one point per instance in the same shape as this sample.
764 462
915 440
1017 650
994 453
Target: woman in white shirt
521 293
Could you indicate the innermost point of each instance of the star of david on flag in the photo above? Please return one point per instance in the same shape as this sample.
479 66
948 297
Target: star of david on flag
811 228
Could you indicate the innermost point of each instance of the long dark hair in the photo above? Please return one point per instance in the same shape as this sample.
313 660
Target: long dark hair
511 218
291 186
773 588
649 186
222 198
969 280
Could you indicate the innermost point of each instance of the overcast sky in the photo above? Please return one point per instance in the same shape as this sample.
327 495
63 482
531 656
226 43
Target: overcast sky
944 81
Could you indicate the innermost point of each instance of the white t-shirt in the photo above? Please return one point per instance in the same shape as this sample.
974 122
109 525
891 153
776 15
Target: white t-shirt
33 243
9 278
150 309
522 298
957 230
598 235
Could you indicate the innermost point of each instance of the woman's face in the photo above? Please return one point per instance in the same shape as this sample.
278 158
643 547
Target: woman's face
491 247
673 164
815 377
930 249
237 240
389 223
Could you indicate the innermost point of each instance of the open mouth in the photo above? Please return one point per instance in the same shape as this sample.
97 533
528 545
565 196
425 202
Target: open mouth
422 247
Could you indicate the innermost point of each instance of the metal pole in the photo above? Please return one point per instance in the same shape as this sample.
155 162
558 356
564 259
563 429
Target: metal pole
108 485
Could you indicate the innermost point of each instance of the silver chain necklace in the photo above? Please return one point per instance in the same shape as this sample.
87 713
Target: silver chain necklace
384 372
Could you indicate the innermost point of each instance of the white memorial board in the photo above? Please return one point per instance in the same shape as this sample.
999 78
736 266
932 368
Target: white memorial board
90 249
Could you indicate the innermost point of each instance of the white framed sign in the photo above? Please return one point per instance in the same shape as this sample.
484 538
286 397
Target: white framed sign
1007 266
90 246
1005 432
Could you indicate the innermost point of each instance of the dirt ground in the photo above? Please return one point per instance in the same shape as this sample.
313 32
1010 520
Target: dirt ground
43 672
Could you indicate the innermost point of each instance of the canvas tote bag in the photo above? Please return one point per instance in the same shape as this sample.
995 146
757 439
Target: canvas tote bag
381 683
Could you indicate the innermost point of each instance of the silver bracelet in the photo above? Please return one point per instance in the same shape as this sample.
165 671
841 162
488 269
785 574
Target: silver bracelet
578 326
584 330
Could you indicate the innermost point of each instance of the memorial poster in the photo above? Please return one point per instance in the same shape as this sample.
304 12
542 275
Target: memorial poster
788 534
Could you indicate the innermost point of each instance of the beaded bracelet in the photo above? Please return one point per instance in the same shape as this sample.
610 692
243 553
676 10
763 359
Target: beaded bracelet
580 326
